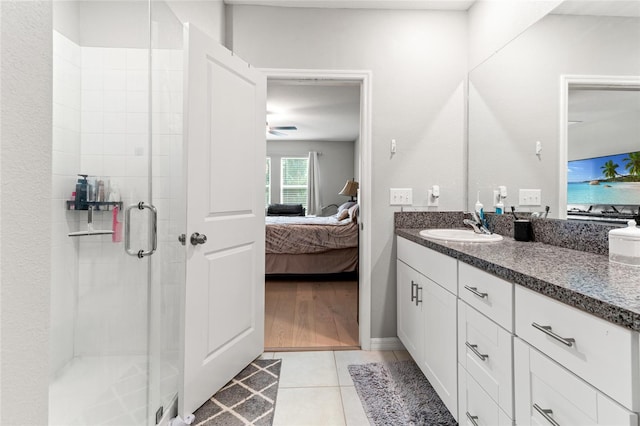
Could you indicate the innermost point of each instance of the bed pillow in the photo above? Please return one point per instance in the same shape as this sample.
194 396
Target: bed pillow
353 212
343 214
346 206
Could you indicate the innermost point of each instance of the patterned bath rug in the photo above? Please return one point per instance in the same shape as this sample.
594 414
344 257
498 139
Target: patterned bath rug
248 399
397 393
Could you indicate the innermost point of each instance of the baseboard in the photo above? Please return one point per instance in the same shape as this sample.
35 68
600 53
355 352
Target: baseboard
386 344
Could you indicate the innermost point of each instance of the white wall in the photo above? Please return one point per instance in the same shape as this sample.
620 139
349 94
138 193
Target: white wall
419 63
207 15
25 156
336 166
493 24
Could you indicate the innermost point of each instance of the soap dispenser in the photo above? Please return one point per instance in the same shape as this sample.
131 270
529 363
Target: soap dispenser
82 188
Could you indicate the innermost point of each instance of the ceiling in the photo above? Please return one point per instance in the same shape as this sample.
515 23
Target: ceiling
363 4
628 8
321 111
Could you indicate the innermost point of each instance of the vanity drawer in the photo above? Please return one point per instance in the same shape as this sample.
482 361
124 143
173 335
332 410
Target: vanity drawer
438 267
487 293
602 353
485 351
545 385
475 406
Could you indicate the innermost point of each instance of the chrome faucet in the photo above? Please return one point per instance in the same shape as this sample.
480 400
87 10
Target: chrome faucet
476 224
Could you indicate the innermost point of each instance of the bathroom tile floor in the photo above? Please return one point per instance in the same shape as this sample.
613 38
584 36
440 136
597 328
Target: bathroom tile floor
316 388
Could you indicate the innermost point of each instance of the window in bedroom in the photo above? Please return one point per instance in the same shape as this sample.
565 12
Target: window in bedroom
293 188
267 197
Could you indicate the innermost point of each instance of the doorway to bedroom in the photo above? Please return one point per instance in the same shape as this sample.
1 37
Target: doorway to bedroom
312 210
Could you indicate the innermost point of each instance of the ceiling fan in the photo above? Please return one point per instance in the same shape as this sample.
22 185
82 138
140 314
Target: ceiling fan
275 130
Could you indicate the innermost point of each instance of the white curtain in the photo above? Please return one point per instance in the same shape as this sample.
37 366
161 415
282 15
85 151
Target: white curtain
314 201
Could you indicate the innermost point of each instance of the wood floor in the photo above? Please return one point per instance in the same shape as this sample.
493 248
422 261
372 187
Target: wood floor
319 315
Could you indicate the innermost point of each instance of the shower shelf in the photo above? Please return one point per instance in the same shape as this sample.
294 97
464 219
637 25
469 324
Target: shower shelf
96 205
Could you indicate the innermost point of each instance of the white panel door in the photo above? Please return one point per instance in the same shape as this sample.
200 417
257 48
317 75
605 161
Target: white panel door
225 141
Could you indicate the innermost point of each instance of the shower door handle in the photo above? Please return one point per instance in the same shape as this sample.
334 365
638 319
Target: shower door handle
127 230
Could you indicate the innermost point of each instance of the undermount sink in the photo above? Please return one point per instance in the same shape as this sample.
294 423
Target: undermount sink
459 235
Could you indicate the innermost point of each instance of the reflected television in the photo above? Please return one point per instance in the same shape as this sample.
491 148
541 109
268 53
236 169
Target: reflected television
607 186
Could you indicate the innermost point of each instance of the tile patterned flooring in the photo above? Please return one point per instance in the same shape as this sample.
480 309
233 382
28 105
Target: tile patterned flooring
316 388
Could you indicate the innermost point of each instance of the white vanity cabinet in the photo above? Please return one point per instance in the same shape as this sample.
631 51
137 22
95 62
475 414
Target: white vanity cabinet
426 309
500 354
548 394
409 308
485 354
579 368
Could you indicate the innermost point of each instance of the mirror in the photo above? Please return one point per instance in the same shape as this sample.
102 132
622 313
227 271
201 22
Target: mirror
519 97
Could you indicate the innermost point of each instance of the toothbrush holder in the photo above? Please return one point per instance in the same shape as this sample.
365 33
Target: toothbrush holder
522 230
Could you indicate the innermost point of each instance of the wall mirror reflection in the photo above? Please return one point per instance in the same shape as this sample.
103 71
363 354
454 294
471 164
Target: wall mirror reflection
601 135
519 104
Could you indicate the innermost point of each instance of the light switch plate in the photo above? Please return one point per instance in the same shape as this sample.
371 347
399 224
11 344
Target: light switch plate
530 197
401 196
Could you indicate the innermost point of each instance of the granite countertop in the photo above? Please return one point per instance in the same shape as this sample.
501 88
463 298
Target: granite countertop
586 281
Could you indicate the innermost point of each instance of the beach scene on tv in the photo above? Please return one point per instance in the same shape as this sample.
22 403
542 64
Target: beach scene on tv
611 180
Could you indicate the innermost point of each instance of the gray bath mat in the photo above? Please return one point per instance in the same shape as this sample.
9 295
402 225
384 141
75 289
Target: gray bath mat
397 393
248 399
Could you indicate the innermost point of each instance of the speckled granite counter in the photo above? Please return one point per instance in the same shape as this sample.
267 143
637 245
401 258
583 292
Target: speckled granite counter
583 280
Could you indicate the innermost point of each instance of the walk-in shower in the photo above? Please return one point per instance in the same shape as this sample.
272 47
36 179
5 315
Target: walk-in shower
117 118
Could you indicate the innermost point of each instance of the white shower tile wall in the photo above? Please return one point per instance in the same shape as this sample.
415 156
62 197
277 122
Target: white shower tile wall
101 128
112 293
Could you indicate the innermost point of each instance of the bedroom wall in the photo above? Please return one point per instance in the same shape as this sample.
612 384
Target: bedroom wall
419 61
336 165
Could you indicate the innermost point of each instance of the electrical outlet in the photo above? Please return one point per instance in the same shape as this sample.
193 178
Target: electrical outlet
530 197
401 196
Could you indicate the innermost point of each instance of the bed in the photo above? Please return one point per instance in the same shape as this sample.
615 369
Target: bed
312 245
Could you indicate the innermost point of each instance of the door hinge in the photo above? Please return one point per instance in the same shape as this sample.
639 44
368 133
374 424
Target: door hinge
159 414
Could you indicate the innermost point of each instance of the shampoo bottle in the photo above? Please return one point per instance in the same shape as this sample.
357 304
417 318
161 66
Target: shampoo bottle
500 207
82 187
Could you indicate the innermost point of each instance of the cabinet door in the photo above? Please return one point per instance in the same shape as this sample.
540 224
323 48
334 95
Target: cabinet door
484 350
604 354
409 313
439 361
476 406
548 393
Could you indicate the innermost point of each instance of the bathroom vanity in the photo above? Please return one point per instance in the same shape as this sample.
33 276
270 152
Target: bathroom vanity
521 333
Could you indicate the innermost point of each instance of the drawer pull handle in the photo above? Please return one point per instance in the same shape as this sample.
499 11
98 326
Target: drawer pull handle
546 413
475 291
546 329
472 419
474 349
413 297
418 300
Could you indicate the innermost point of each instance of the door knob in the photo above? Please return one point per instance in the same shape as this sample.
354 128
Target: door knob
198 239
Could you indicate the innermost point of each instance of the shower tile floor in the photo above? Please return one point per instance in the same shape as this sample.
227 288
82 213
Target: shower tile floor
102 391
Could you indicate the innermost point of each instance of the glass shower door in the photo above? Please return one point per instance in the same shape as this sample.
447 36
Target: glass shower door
101 296
167 273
